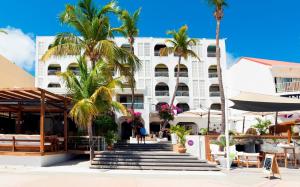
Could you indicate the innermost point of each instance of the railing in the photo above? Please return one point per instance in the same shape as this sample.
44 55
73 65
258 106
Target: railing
76 72
53 72
157 53
288 87
214 94
182 93
161 74
161 93
211 54
135 105
82 143
213 75
182 74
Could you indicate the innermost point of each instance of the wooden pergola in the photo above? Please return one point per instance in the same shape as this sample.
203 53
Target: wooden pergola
35 100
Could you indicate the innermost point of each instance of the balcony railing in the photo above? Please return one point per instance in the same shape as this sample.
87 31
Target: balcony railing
182 93
135 105
213 75
161 93
288 87
53 72
211 54
182 74
214 94
161 74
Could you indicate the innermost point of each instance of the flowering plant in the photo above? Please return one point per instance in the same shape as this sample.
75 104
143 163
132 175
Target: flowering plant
134 117
167 113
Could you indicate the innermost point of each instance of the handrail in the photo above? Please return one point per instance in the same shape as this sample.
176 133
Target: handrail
135 105
214 94
161 93
182 93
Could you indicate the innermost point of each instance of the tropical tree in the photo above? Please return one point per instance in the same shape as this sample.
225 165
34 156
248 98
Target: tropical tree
91 93
3 31
94 39
218 14
129 30
180 45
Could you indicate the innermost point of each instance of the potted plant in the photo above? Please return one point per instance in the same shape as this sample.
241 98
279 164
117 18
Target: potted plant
203 131
181 134
110 139
262 126
221 141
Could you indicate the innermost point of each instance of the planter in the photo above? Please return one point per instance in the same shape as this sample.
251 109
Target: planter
181 149
223 162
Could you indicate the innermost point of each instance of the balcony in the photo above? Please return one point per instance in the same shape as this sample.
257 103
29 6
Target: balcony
53 72
161 74
182 74
214 94
162 93
182 93
288 87
211 54
135 105
212 75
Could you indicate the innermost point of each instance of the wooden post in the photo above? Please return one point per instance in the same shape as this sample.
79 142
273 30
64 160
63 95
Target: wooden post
244 120
208 120
289 133
65 126
18 121
42 122
276 122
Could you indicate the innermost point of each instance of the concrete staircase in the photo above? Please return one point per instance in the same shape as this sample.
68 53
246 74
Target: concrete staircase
149 157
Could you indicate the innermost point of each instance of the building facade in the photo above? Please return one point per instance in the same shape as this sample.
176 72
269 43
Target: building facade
155 81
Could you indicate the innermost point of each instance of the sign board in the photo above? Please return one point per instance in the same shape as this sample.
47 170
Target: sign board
190 142
270 165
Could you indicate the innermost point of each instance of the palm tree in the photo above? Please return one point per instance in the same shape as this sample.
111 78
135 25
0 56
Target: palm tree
3 31
95 33
218 14
91 93
130 30
180 45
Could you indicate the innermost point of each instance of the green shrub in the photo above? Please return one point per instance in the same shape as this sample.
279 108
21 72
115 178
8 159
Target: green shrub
262 126
181 133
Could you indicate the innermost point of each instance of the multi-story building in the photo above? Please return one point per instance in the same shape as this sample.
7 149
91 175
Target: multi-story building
155 81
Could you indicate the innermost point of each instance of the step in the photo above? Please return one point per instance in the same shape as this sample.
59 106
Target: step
170 164
171 160
146 157
124 152
168 168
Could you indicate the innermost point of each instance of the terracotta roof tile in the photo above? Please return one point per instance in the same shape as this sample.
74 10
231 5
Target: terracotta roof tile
271 62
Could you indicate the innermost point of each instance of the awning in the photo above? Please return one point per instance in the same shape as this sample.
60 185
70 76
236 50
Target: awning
264 103
286 71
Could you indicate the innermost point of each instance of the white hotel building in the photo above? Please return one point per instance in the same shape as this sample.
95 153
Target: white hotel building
155 81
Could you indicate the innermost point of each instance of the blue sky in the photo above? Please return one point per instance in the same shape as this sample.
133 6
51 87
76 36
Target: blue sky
264 29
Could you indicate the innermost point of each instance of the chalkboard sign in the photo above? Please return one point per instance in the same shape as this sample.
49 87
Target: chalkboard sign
270 166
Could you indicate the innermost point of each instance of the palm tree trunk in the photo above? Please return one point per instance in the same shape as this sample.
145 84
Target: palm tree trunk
220 77
90 133
132 74
174 93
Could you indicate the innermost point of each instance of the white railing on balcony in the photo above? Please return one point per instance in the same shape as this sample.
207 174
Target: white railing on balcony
211 54
213 75
288 87
53 72
214 94
161 74
182 74
182 93
161 93
135 105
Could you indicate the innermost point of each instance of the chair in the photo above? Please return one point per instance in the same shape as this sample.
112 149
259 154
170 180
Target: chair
249 159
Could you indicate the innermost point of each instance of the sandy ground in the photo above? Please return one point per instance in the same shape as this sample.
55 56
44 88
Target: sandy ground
77 174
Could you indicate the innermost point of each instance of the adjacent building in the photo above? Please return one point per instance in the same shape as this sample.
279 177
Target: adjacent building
155 81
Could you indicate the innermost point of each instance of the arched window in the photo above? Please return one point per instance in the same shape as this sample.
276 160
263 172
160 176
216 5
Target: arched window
157 49
214 90
183 71
74 68
53 69
54 85
161 89
211 51
182 90
161 70
215 106
212 71
183 107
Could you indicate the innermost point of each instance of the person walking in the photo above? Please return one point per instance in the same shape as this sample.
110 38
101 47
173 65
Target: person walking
143 134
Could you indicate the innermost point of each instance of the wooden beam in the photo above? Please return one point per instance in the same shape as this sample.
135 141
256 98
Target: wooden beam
65 126
21 96
42 123
27 95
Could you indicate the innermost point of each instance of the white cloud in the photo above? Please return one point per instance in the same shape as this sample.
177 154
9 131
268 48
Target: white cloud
231 59
18 47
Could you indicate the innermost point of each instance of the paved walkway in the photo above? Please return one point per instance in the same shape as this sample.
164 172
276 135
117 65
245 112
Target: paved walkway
77 174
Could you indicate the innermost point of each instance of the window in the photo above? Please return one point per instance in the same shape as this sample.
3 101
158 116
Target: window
161 70
157 49
73 67
53 69
215 106
161 89
54 85
211 51
147 49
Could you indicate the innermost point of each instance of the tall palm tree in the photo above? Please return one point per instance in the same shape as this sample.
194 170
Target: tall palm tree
3 31
129 29
95 33
91 93
180 45
218 14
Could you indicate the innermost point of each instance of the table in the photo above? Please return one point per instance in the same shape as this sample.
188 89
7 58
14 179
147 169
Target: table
286 148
